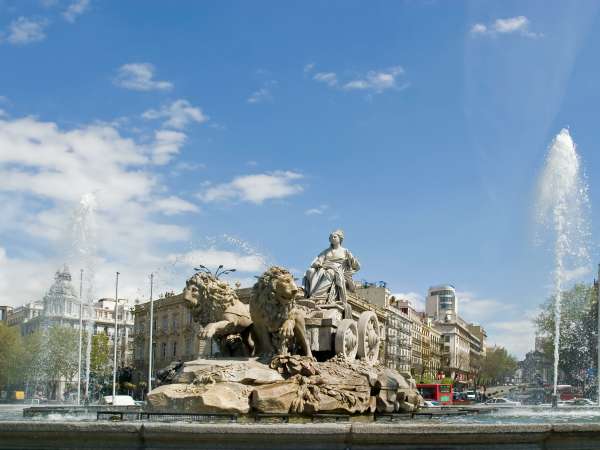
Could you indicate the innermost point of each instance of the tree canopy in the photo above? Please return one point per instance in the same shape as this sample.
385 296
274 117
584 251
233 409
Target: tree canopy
497 366
578 333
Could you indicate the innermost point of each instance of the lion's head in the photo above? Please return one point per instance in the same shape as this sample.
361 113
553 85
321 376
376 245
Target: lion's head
273 296
208 297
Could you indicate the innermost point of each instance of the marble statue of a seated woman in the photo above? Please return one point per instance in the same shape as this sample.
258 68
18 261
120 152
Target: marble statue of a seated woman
330 274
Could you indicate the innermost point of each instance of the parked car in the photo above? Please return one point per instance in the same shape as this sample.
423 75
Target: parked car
431 404
582 402
119 400
502 402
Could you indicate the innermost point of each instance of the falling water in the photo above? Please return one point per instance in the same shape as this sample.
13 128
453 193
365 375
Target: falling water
84 251
231 251
562 206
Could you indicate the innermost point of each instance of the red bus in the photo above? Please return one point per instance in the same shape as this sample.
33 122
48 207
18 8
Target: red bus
439 392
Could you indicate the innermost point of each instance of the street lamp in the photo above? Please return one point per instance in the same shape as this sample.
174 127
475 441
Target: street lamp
116 338
80 337
151 331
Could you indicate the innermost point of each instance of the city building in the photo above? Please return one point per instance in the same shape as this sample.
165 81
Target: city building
22 315
416 340
397 326
441 302
4 310
536 368
478 348
463 344
398 353
431 349
174 335
60 306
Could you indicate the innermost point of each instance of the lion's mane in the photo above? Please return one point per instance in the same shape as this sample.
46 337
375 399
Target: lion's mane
265 305
213 297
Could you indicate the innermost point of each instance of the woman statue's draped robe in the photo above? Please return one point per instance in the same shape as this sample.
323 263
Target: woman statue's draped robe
329 276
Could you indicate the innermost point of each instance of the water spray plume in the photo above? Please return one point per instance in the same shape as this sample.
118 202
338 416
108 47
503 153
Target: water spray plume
562 208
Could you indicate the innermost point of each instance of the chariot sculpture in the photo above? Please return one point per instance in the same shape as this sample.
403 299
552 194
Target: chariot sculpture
281 318
306 350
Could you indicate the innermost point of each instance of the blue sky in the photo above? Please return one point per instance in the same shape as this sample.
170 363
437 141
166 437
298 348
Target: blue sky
243 133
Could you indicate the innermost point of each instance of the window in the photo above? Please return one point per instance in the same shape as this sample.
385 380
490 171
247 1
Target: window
164 350
174 348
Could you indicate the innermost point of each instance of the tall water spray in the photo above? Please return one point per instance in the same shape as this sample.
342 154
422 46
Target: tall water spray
562 206
83 232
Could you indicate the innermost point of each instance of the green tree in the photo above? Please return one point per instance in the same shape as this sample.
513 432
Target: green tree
10 352
100 362
61 356
496 366
578 341
32 362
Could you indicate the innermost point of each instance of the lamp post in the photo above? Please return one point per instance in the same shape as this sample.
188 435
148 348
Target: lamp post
151 331
116 339
598 335
80 337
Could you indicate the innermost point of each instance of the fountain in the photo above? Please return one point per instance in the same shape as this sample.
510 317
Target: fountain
83 252
310 357
562 208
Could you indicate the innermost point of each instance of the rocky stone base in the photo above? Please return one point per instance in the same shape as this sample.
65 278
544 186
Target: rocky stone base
287 385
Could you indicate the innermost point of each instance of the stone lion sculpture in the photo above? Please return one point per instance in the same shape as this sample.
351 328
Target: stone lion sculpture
277 321
216 306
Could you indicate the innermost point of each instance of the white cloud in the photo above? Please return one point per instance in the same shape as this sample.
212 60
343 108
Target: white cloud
24 31
166 145
512 25
3 113
45 170
377 81
178 114
329 78
174 205
479 28
213 257
140 77
417 300
374 81
255 188
309 67
38 158
316 211
76 9
517 336
577 273
475 309
263 94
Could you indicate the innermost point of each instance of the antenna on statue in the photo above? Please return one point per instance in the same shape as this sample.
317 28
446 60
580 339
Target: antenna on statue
219 272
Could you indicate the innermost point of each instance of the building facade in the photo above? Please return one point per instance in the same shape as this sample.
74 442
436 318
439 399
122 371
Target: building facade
4 311
416 337
60 306
431 349
441 302
395 323
174 335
